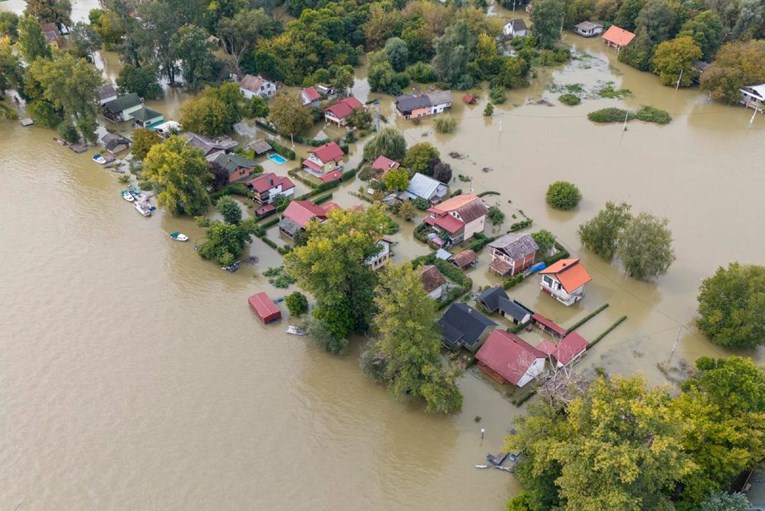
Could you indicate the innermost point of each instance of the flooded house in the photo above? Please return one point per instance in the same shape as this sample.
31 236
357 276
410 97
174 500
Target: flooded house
382 165
464 260
588 29
515 28
107 93
464 327
299 214
114 144
53 34
410 106
212 148
310 97
340 113
458 219
323 159
617 37
753 96
378 260
146 118
252 86
122 108
505 357
433 281
565 280
269 186
567 351
237 167
512 253
424 187
495 299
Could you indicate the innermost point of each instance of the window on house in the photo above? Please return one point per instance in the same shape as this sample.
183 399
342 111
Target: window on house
547 280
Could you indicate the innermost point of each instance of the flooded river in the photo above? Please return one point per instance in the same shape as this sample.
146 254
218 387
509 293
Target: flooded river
134 376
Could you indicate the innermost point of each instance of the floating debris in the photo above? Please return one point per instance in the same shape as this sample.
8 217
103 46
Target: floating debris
487 169
456 155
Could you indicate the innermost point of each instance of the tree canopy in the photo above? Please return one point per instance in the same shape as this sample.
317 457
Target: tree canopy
600 234
563 195
389 142
673 61
421 157
140 80
645 247
396 179
143 140
289 116
230 209
737 64
547 21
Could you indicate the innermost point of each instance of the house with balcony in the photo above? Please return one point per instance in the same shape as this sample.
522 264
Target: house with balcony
324 159
237 167
565 280
269 186
457 219
512 253
251 86
340 113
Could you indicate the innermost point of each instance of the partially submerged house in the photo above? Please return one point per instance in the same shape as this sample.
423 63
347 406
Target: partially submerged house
146 118
567 351
299 214
259 147
310 97
269 186
753 96
515 28
617 37
496 299
548 326
565 280
508 358
115 144
122 108
340 112
264 307
378 260
433 282
464 327
410 106
237 167
458 219
464 260
211 148
252 86
323 159
107 93
512 253
424 187
588 29
383 164
440 100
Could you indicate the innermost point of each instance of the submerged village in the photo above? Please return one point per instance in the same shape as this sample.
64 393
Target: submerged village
317 151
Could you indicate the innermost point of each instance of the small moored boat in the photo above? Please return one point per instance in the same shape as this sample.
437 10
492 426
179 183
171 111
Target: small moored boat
231 268
179 236
294 330
127 196
99 159
142 208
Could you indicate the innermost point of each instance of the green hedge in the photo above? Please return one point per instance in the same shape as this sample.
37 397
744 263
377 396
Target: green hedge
562 253
513 281
270 243
266 127
423 260
269 223
456 192
452 273
488 192
348 175
480 242
586 318
419 232
608 330
521 225
322 198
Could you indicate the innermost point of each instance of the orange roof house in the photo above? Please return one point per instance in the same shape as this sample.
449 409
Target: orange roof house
565 281
618 37
458 218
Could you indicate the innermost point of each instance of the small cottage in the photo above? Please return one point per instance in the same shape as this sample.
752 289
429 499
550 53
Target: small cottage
340 112
122 108
424 187
512 253
507 358
106 93
617 37
114 143
310 97
440 100
323 159
565 280
383 164
146 117
515 28
548 326
464 260
269 186
458 218
52 34
464 327
378 260
264 307
433 281
588 29
299 214
259 147
252 86
237 167
753 96
211 148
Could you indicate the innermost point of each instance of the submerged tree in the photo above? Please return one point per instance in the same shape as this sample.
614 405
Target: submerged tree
645 247
547 21
600 234
389 142
289 116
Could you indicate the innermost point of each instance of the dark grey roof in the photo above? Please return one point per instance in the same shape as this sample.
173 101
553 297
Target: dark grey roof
518 24
700 65
490 298
107 91
514 309
145 114
407 102
123 102
517 246
112 140
588 25
288 226
460 318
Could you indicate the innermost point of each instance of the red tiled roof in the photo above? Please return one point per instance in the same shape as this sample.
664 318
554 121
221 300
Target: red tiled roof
468 206
464 258
385 164
500 266
446 222
552 325
547 347
312 165
264 307
301 212
454 203
508 355
618 36
328 152
569 272
311 94
270 180
344 107
569 347
431 278
330 206
469 99
331 176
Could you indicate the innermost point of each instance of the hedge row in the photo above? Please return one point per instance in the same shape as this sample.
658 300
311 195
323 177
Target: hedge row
480 242
348 175
269 223
521 225
488 192
283 150
322 198
270 243
513 281
265 126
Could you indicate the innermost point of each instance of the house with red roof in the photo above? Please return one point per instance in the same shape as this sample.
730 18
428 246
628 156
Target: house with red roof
565 280
340 112
508 358
299 214
617 37
267 187
251 86
383 164
264 307
567 351
323 159
458 219
310 97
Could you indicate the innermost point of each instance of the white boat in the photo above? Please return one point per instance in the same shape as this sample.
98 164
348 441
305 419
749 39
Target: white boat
179 236
99 159
143 208
294 330
128 196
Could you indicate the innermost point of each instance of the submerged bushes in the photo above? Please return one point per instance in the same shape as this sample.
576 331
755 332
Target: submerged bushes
645 114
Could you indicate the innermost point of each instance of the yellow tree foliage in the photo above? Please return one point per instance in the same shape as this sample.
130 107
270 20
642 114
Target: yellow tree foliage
674 57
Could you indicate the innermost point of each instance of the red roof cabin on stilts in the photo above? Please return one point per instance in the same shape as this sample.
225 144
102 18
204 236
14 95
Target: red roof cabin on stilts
264 307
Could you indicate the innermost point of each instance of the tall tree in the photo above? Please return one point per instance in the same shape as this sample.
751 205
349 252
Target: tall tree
9 25
421 157
288 115
230 209
108 25
84 41
737 64
645 247
600 234
10 67
164 20
224 242
241 32
673 61
143 140
180 173
626 18
32 42
706 29
190 45
397 52
547 21
389 142
51 11
140 80
453 52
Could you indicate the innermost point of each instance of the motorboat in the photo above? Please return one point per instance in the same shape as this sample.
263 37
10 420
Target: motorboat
178 236
127 196
99 159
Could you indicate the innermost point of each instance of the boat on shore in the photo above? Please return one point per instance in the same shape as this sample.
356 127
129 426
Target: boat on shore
231 268
178 236
142 208
99 159
59 141
127 196
295 330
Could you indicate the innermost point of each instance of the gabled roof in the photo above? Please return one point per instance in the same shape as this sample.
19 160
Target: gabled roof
270 180
462 324
385 164
112 140
423 186
569 272
464 258
301 212
517 25
446 222
455 203
431 278
234 162
264 307
547 347
508 355
618 36
345 107
514 309
144 114
107 91
549 324
756 90
569 347
252 83
407 102
260 146
439 97
515 245
328 152
208 145
310 94
490 298
587 25
123 102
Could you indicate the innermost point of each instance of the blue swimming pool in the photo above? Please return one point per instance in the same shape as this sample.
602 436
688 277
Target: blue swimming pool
277 158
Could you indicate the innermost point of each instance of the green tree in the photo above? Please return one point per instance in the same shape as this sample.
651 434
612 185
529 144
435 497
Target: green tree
297 303
289 116
658 19
706 29
83 41
154 41
10 68
545 240
737 64
206 115
9 25
67 131
32 43
140 80
639 53
489 110
331 266
407 211
453 52
547 21
601 233
241 32
731 305
405 354
563 195
361 119
442 171
628 13
224 242
179 172
257 108
143 140
445 124
674 57
396 179
109 25
230 209
495 215
389 142
721 501
191 46
645 247
50 11
420 158
320 333
397 52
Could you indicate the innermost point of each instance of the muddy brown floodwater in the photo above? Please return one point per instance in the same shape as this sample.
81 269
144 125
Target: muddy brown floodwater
134 376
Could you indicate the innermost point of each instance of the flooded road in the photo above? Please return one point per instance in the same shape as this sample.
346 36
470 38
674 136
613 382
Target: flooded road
134 376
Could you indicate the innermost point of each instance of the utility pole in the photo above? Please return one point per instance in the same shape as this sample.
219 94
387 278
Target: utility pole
677 86
674 346
751 121
626 116
501 117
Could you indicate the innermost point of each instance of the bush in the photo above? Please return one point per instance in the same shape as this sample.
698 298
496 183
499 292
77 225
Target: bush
606 115
348 175
456 192
319 331
489 110
497 95
321 199
563 195
421 204
445 124
421 72
521 225
651 114
68 132
569 99
297 303
495 215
